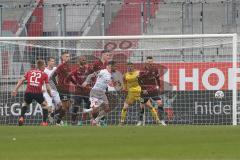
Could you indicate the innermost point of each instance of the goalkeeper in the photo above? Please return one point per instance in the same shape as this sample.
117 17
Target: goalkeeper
132 87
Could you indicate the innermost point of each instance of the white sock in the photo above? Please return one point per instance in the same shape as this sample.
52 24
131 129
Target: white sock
88 110
101 114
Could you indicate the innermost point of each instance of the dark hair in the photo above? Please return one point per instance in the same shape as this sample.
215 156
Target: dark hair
111 63
40 63
104 51
129 63
149 57
65 52
49 58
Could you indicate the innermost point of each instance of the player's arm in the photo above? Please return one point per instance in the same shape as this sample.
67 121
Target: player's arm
19 84
157 78
89 78
119 81
141 83
125 88
48 89
71 78
96 66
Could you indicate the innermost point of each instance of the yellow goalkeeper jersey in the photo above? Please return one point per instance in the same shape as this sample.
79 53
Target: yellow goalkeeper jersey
131 82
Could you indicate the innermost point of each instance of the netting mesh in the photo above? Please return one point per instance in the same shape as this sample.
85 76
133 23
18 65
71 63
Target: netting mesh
193 69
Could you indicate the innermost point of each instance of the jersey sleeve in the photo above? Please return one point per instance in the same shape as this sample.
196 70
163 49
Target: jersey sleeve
90 69
58 69
96 66
72 77
156 73
124 82
101 73
26 75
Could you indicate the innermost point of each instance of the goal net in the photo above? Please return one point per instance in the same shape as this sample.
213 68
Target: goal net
190 68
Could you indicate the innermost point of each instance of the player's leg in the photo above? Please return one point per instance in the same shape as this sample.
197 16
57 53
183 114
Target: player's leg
49 101
57 104
86 106
130 99
159 102
75 108
27 101
45 108
153 111
141 111
65 99
103 109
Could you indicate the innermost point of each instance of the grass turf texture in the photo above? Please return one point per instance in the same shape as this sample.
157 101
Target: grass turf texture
125 143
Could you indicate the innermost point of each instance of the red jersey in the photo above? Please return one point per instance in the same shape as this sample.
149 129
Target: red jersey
62 72
35 80
98 65
79 75
149 78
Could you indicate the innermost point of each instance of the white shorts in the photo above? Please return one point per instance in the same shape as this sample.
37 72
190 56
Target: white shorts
97 98
54 99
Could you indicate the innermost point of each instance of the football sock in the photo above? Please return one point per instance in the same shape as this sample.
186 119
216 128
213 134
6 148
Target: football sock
141 114
101 114
45 115
161 112
123 114
154 114
23 110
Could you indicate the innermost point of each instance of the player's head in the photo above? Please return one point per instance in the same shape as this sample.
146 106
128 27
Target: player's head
130 66
41 64
106 55
65 57
51 62
111 66
82 60
149 61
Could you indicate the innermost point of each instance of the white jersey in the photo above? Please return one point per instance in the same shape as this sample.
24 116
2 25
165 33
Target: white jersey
118 79
49 72
103 79
55 95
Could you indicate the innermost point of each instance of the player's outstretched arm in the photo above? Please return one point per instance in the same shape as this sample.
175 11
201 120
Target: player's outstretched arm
19 84
124 88
89 78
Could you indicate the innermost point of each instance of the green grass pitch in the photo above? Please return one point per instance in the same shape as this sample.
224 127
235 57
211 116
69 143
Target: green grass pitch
120 143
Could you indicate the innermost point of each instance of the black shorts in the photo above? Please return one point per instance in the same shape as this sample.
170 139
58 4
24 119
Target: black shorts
146 98
64 97
82 101
29 97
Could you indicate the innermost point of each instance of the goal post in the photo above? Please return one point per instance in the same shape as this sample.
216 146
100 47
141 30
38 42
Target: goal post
191 67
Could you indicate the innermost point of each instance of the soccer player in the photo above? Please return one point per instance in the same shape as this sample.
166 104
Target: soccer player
58 77
35 79
132 87
150 83
77 77
99 64
55 95
98 98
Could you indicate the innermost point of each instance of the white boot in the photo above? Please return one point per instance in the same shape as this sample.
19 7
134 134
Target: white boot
163 123
140 123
